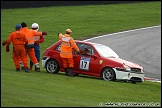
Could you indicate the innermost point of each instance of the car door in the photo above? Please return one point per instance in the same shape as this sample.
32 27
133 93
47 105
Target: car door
85 63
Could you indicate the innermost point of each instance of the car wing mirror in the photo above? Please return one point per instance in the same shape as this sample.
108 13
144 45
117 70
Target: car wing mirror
94 56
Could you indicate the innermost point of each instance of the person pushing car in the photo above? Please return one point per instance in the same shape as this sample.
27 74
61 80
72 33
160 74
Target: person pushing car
67 43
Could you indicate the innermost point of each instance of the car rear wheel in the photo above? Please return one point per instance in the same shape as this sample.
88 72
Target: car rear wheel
52 66
108 74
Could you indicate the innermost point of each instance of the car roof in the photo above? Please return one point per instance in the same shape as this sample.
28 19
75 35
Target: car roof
92 43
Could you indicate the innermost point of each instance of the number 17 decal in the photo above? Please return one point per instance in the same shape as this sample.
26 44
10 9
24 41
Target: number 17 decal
84 63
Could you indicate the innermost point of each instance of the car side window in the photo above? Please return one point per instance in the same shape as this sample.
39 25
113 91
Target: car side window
58 48
78 44
89 49
85 49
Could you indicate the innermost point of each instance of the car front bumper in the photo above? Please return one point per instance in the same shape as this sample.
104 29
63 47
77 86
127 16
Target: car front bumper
44 60
130 76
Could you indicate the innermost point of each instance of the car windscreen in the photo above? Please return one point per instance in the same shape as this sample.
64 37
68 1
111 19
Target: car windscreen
105 51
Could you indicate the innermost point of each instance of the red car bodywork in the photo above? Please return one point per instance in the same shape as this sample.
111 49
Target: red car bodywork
91 65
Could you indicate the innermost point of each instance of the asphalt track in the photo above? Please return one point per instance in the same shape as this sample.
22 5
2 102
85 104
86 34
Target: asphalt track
141 46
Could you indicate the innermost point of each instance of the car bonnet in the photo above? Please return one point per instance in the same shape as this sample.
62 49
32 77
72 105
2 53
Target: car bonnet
128 63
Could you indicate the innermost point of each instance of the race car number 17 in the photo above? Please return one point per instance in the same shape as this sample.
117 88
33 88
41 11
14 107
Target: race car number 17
84 63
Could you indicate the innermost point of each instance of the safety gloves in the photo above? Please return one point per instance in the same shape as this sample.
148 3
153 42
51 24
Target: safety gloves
36 42
44 33
7 48
4 43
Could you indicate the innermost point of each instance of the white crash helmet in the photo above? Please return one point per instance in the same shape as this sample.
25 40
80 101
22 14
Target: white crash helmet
35 26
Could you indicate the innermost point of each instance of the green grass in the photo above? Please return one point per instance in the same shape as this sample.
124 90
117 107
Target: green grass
43 89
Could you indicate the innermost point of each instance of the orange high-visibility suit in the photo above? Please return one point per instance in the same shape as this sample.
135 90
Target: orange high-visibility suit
18 39
66 50
13 54
30 34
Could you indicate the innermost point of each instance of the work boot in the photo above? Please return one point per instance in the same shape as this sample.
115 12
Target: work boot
71 71
66 71
26 70
38 69
17 69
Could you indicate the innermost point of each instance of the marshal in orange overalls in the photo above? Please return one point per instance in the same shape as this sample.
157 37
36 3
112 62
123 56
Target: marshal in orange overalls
18 39
30 34
67 43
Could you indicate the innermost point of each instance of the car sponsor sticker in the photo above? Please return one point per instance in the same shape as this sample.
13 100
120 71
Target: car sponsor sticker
101 61
84 63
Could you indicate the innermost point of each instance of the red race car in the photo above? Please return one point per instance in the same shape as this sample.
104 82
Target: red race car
95 60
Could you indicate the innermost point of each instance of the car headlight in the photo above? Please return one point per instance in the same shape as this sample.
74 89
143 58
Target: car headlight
123 68
127 68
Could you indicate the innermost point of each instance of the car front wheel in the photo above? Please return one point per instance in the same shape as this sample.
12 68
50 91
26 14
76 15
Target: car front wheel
108 74
52 66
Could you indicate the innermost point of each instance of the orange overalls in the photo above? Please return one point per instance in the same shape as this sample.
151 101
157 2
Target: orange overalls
66 50
18 39
30 34
13 55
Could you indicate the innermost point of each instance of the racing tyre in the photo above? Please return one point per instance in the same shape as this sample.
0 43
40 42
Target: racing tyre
52 66
108 74
133 82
